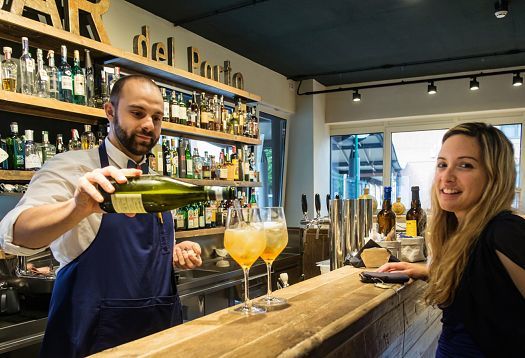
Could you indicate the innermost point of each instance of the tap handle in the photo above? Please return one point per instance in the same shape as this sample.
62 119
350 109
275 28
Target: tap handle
304 205
328 203
318 205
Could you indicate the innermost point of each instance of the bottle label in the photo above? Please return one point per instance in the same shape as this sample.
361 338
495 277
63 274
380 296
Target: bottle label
201 221
3 155
30 65
79 85
32 161
180 221
208 212
411 228
43 75
189 167
166 110
190 218
67 83
175 111
127 203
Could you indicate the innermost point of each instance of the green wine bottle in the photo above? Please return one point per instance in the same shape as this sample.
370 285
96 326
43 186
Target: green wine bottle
156 193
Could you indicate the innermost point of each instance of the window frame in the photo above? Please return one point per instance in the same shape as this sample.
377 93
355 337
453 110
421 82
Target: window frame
433 122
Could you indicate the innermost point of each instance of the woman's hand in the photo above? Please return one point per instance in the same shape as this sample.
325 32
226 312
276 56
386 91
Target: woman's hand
187 255
415 271
87 196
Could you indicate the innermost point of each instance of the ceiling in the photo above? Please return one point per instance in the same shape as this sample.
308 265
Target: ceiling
348 41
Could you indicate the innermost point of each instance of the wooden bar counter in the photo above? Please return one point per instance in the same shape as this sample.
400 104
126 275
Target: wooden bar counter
332 315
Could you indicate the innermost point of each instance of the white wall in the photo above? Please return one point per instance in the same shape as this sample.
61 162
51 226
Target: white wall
123 21
495 92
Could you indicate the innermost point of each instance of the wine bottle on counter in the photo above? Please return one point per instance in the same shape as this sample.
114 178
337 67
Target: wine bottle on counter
416 218
156 193
9 71
386 218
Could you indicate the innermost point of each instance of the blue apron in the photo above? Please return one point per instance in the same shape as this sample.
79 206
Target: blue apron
119 289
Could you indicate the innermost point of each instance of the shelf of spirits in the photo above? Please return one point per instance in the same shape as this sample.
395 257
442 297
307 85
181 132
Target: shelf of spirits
196 133
16 175
225 183
13 27
199 232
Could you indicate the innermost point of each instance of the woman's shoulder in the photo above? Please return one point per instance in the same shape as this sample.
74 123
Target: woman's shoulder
507 220
506 233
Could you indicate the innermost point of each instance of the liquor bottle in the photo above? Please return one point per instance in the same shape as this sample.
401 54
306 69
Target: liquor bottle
181 219
114 79
166 103
202 215
194 112
398 207
216 109
65 79
15 148
87 139
197 164
189 162
183 111
222 168
100 136
253 200
27 69
155 193
4 163
42 78
366 195
90 81
60 147
416 218
206 167
9 71
103 95
79 81
174 157
32 160
166 157
74 142
174 108
182 158
52 73
213 167
224 116
208 214
48 150
204 114
386 218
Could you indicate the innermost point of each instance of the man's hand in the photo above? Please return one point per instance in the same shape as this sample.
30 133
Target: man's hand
187 255
87 196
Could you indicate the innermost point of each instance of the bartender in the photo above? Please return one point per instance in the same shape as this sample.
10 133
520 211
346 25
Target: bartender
115 281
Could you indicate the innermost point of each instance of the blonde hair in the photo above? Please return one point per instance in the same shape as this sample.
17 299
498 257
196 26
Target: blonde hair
450 241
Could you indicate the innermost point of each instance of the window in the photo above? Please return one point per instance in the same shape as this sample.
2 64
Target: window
271 159
351 169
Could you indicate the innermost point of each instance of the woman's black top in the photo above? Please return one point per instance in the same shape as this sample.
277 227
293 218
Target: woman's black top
488 310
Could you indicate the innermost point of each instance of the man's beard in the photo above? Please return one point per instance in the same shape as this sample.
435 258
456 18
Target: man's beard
129 141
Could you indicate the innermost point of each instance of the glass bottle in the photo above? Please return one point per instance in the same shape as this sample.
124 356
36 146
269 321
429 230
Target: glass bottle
174 156
398 207
183 112
166 157
9 71
166 103
206 167
182 158
386 218
87 138
74 142
31 158
224 116
42 79
15 148
4 156
48 149
416 218
194 112
65 79
90 81
60 147
79 81
189 162
174 108
116 76
52 73
366 195
27 69
204 115
197 164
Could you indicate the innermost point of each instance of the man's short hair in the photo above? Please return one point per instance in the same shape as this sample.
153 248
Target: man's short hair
119 85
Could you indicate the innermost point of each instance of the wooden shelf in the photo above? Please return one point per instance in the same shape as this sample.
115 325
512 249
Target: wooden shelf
208 182
49 108
13 27
18 175
199 232
196 133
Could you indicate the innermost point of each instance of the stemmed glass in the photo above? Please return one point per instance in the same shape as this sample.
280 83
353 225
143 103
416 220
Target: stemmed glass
276 240
245 241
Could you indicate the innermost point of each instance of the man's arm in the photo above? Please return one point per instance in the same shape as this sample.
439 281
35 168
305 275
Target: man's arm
39 226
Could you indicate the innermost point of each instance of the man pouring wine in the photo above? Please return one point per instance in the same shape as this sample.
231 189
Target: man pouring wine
115 281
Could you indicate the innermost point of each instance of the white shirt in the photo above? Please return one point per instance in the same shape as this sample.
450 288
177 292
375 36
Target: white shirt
56 182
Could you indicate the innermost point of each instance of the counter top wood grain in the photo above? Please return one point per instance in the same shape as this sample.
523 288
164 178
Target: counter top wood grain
328 315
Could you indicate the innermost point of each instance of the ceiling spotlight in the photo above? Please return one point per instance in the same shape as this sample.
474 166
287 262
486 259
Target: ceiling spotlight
517 80
474 84
501 8
432 89
356 96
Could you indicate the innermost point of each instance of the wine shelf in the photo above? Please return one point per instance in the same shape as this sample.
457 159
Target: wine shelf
199 232
49 108
208 182
16 175
13 27
196 133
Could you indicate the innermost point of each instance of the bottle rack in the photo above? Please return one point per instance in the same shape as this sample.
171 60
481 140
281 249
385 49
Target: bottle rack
184 234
